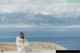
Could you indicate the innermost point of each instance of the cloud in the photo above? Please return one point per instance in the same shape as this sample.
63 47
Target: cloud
33 6
43 26
58 8
7 26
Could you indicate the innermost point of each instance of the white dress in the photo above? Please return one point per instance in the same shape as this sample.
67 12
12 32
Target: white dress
24 49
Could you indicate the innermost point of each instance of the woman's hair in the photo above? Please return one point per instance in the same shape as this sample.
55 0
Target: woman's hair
21 35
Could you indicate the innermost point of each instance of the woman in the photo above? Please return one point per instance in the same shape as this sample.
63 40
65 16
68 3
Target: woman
22 44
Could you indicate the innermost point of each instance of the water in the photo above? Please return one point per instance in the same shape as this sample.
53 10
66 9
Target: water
67 38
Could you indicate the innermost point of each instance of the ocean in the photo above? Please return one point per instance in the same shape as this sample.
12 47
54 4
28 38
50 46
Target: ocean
68 38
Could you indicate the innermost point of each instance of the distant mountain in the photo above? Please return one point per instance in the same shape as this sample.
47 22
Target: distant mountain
37 19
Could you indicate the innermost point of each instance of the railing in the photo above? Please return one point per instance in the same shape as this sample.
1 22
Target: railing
36 51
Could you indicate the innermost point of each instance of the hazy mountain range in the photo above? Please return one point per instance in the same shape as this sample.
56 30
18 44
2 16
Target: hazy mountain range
37 19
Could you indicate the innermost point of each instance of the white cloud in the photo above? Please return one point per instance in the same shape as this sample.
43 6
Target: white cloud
59 8
44 26
6 26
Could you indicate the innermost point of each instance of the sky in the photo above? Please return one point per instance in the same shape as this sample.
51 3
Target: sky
40 6
57 8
